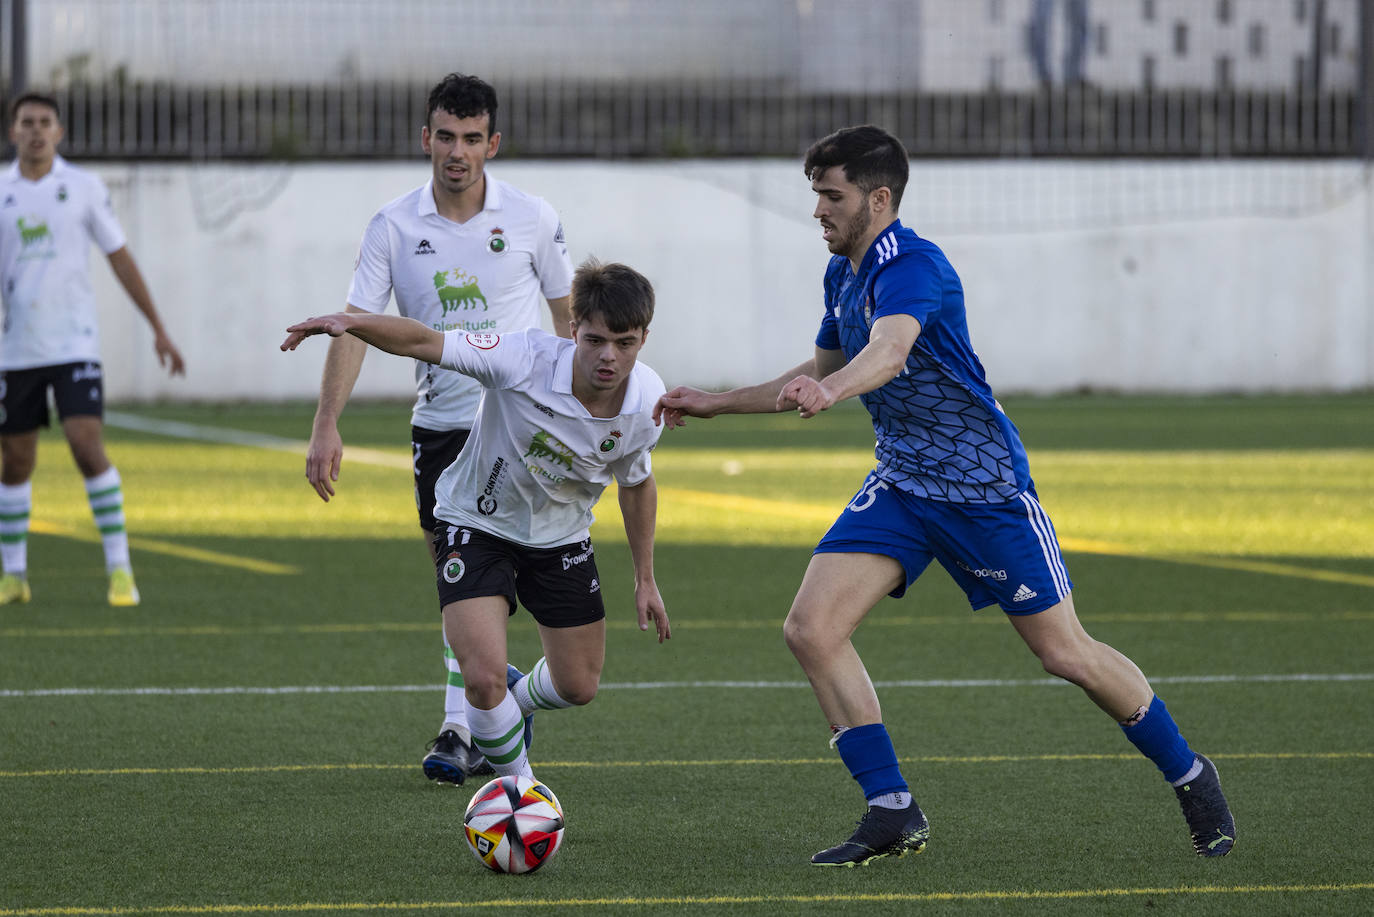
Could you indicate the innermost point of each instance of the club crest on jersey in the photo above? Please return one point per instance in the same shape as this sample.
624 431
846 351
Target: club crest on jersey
496 242
484 340
61 193
609 443
453 568
868 310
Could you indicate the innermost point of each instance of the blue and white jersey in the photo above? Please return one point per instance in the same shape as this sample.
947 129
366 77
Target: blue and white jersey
941 433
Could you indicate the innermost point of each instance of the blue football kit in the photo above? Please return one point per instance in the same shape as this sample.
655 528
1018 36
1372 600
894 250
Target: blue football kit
952 481
952 484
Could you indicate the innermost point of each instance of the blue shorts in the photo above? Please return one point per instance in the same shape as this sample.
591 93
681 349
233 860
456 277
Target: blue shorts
999 553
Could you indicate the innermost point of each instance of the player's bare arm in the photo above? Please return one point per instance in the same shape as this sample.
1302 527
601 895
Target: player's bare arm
684 401
561 310
639 509
131 278
404 337
885 355
324 454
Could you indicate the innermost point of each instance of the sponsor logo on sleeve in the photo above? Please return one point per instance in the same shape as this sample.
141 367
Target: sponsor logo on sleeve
484 340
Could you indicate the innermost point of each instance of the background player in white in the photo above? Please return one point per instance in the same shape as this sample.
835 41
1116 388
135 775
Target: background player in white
463 252
50 212
558 421
952 484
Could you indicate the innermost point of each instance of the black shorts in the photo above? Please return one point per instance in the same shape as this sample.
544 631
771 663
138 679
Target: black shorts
433 451
559 586
77 389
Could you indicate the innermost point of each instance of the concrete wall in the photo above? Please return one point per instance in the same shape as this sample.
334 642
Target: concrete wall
1187 277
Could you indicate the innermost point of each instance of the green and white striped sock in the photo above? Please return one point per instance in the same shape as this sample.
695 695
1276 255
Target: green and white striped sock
106 496
16 502
500 735
455 701
536 691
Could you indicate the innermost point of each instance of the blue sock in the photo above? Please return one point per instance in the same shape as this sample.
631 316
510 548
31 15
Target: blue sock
867 752
1157 736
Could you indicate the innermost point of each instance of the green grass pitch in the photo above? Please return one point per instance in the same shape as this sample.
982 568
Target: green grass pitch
247 741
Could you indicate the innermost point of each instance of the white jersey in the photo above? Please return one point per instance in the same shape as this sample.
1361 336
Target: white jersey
46 230
488 275
537 461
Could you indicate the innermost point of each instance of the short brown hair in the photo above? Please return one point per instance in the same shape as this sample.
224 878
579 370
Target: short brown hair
619 295
35 98
871 157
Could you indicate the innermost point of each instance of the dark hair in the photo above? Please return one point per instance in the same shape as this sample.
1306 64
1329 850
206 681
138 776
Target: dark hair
463 96
872 159
619 295
36 98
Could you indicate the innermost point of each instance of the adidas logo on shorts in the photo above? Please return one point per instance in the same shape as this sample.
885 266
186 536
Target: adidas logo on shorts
1024 593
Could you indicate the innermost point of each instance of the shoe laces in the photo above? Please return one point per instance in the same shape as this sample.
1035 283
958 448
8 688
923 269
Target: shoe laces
445 742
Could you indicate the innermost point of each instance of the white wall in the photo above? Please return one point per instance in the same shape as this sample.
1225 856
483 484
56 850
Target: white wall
1188 277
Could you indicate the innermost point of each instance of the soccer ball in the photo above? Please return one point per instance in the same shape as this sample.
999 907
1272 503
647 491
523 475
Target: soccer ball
513 825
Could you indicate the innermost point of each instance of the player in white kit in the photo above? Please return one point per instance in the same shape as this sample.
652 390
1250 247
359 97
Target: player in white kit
50 213
463 252
558 422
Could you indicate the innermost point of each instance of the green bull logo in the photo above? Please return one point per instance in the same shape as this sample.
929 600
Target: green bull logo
463 293
546 446
29 235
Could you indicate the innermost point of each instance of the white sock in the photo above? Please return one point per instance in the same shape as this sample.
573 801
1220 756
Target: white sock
106 497
896 800
499 734
536 691
455 700
16 502
1191 775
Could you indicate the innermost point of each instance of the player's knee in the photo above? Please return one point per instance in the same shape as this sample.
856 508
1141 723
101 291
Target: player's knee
1070 664
803 638
484 689
581 693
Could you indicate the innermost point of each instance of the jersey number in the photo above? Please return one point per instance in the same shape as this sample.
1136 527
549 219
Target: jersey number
864 498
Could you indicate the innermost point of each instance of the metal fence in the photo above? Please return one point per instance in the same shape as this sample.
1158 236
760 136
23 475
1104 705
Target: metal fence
319 79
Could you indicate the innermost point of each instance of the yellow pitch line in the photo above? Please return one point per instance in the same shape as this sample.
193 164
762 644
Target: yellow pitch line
156 546
824 515
216 630
1089 546
816 513
693 900
721 762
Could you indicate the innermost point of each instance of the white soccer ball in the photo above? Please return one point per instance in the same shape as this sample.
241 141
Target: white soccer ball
513 825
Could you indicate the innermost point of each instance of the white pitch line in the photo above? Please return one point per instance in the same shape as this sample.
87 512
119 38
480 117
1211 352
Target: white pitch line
669 685
198 432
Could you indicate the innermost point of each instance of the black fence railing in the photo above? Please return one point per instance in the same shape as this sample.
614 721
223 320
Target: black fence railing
680 119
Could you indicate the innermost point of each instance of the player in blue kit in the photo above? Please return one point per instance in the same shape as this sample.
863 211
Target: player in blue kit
951 484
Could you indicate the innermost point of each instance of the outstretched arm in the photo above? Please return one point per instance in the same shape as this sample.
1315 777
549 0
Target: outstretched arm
392 333
639 508
131 278
765 398
883 357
